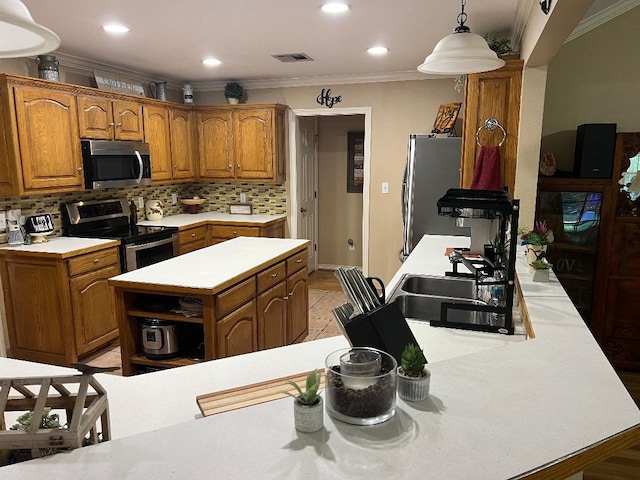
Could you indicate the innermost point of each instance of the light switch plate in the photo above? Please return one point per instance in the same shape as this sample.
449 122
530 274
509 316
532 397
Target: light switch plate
140 202
385 187
174 199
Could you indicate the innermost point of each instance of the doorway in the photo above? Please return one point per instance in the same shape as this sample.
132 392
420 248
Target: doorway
299 225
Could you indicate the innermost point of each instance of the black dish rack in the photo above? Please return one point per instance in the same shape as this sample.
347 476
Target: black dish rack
498 262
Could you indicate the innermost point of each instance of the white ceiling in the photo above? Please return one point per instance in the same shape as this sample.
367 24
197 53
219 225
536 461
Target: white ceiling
168 38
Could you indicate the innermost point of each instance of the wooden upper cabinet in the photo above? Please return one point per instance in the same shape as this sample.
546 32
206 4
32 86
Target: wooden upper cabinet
246 143
183 155
107 119
127 116
215 130
156 134
48 139
494 94
253 143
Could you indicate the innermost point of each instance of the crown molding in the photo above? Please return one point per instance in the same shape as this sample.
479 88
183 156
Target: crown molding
320 81
602 17
85 65
523 10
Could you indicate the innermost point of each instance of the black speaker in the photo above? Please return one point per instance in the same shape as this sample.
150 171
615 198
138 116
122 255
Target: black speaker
595 147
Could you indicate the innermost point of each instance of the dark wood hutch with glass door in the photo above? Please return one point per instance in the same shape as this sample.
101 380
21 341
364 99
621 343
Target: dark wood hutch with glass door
596 250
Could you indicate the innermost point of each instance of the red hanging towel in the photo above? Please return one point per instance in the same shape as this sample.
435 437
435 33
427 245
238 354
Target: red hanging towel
486 174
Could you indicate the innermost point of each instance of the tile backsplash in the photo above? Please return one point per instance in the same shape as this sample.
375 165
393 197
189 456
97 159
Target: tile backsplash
266 198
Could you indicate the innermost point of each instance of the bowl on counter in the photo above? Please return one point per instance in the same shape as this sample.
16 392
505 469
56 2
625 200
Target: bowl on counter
193 203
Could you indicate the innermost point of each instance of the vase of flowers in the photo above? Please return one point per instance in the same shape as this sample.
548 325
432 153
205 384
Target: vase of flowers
536 241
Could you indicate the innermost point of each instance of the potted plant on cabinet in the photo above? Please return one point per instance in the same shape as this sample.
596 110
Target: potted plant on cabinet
536 240
307 406
413 377
233 92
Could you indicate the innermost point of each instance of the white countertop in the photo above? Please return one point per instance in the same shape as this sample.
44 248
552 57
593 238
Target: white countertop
187 219
498 408
64 246
212 266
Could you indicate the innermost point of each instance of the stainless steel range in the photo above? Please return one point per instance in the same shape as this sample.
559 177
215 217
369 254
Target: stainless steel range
139 246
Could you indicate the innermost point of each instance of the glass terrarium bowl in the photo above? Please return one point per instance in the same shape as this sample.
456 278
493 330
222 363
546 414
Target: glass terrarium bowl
360 385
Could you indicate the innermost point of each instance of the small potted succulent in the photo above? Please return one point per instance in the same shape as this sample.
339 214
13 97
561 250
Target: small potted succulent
540 268
413 377
307 406
233 92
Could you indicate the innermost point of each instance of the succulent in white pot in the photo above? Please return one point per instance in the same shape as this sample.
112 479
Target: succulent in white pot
308 409
413 377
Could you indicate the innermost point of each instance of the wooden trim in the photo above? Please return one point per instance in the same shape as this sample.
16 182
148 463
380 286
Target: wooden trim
248 395
582 459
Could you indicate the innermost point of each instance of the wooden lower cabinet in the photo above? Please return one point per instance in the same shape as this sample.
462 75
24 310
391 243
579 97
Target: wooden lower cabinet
221 232
192 239
59 309
297 306
93 308
272 317
237 332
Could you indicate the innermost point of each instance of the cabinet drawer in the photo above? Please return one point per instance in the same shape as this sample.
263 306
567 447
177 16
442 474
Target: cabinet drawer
297 261
91 261
235 296
225 231
197 234
270 277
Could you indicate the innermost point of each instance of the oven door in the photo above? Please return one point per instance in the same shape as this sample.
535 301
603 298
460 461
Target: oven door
144 254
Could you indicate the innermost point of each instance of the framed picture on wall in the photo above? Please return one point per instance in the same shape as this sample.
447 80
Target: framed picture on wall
355 162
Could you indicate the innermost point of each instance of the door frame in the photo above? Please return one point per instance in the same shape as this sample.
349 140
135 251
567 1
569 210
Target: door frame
293 177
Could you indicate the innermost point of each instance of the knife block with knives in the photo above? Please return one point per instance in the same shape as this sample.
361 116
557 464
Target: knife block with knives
379 325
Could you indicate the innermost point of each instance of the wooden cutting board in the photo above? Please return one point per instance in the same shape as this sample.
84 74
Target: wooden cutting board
239 397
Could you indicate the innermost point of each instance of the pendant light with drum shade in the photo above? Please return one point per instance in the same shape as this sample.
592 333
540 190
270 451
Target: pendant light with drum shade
461 52
20 36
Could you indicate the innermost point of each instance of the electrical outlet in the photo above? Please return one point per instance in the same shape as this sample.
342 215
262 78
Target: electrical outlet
13 216
3 221
243 198
140 202
174 199
385 187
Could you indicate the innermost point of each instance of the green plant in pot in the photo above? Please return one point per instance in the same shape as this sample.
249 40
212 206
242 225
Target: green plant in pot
413 377
540 267
308 408
233 92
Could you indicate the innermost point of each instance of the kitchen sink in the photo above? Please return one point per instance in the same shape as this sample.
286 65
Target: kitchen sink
439 286
427 308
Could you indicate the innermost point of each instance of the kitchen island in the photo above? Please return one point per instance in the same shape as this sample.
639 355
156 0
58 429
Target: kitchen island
500 407
252 294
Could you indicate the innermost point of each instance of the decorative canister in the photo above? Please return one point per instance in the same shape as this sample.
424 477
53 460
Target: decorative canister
360 385
187 93
153 210
48 67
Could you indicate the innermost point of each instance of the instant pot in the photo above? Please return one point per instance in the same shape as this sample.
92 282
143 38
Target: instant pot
160 338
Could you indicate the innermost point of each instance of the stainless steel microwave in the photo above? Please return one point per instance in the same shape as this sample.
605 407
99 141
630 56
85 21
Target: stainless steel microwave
110 164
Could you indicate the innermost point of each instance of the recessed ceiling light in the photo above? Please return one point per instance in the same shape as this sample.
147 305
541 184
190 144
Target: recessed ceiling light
211 62
335 7
115 28
377 50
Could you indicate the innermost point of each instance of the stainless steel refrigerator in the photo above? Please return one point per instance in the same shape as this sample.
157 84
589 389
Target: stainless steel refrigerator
433 166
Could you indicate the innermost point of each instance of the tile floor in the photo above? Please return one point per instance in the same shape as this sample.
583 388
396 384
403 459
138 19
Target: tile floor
324 295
